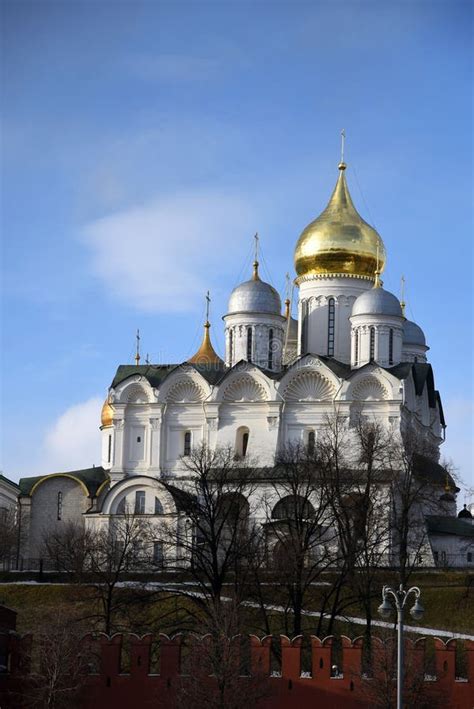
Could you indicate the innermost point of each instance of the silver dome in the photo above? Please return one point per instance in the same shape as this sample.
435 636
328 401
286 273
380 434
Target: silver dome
377 301
413 334
254 296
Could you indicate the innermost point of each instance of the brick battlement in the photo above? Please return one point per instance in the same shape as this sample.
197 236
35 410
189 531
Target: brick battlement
131 671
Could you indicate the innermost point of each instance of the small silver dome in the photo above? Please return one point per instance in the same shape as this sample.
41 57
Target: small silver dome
377 301
413 334
254 296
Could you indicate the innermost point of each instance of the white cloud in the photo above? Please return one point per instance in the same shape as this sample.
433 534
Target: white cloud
72 442
162 256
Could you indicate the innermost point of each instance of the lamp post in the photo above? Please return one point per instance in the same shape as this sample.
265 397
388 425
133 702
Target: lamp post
385 609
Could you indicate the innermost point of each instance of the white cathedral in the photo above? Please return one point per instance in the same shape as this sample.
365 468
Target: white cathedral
351 347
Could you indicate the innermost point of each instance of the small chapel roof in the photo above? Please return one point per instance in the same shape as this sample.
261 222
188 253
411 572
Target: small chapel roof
92 478
440 524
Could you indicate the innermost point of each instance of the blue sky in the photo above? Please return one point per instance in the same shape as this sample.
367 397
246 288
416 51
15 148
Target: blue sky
144 143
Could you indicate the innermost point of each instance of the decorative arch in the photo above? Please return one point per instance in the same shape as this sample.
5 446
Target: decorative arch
291 507
244 388
134 394
59 475
185 391
114 501
309 386
368 389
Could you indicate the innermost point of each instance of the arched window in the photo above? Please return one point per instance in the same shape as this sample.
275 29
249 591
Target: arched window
270 349
187 443
372 344
304 327
121 506
60 505
311 441
390 347
356 347
242 442
231 346
158 507
249 344
331 322
293 507
109 449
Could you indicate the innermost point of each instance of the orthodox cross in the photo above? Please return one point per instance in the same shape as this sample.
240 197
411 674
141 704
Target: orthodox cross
208 303
137 353
343 139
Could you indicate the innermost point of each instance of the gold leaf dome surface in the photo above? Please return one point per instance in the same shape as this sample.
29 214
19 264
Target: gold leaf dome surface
339 241
206 354
107 414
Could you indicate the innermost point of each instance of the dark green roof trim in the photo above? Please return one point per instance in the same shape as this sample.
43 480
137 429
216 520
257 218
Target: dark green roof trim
154 373
7 481
436 524
91 477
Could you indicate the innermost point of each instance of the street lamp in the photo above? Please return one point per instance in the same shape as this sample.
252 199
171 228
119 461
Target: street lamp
385 609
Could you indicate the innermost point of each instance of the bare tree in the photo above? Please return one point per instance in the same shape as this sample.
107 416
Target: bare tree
298 536
8 536
103 558
216 539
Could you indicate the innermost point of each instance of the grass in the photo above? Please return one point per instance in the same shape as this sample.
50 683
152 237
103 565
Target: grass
446 596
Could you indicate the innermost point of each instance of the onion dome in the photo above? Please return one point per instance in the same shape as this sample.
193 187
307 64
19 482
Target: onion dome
107 414
464 513
413 334
377 301
206 353
339 242
254 296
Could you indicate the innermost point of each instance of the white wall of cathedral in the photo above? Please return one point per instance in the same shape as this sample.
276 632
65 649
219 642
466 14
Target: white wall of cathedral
384 346
263 346
315 296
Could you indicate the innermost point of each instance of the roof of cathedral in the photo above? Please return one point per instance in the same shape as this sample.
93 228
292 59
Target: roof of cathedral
440 524
377 301
92 478
206 354
7 481
339 241
254 296
413 334
465 513
433 472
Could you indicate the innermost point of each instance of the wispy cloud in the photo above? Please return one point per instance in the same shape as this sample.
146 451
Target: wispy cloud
162 256
72 441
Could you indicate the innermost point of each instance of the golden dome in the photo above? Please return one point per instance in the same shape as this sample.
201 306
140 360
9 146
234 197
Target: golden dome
339 242
206 353
107 414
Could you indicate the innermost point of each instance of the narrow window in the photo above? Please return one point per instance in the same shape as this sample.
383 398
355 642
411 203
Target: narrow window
270 349
372 344
245 443
60 505
158 507
304 327
436 556
158 554
109 450
249 344
331 319
356 347
469 557
311 442
390 347
140 502
416 359
187 443
231 347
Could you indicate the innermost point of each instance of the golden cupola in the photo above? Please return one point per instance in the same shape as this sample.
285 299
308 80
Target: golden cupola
206 354
107 414
339 242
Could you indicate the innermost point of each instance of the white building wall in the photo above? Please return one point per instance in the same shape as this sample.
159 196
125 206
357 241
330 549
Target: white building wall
314 295
236 328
